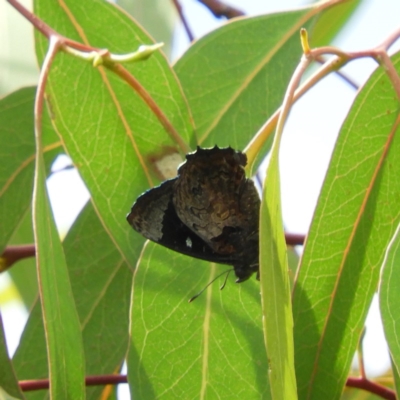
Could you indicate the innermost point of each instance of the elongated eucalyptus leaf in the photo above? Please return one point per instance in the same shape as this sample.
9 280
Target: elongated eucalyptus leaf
8 382
236 71
17 155
106 127
331 21
5 396
159 19
396 377
210 348
389 303
63 338
275 287
356 216
101 284
23 273
17 158
30 358
235 77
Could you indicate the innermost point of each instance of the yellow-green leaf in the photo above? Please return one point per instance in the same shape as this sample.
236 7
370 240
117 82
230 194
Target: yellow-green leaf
356 216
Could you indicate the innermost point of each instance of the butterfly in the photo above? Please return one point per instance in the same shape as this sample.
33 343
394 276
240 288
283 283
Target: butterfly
209 211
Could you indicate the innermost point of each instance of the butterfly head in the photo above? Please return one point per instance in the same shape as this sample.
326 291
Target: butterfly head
244 272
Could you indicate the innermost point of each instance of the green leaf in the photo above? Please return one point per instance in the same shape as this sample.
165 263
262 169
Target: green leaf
63 339
5 396
17 159
356 216
388 301
293 263
233 77
210 348
101 284
8 381
30 358
396 375
107 129
331 21
17 154
275 285
23 274
159 19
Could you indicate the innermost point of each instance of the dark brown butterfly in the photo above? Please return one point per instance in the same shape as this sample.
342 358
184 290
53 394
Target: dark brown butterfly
209 211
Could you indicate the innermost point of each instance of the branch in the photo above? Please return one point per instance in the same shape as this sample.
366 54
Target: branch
95 380
293 239
219 9
346 78
379 54
189 32
372 387
12 254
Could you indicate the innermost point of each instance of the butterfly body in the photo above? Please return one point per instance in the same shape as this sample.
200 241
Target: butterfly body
209 211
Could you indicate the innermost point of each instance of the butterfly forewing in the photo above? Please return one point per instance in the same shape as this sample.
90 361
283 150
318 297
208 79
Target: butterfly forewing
209 211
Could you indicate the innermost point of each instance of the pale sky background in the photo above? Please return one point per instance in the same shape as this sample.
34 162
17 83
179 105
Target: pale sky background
308 140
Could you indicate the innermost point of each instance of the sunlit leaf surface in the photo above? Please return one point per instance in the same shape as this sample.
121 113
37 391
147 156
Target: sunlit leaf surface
356 216
212 347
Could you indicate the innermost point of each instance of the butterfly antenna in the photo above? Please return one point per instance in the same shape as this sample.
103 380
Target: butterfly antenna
209 283
226 278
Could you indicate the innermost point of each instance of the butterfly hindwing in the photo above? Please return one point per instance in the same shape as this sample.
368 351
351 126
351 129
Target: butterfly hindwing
154 217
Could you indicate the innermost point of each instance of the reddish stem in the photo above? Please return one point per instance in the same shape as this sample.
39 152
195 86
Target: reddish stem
46 30
12 254
220 9
33 19
372 387
189 32
293 239
96 380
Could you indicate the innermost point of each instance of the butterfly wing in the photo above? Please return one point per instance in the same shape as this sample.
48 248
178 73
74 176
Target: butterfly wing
213 198
153 215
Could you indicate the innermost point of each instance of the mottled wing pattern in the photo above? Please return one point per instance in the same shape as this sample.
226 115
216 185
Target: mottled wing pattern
154 217
210 211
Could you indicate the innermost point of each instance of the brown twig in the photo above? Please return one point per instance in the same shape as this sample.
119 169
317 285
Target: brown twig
342 75
390 40
293 239
220 9
179 9
372 387
12 254
379 54
95 380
